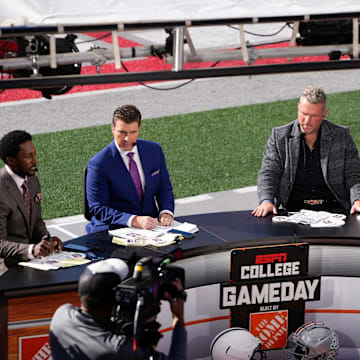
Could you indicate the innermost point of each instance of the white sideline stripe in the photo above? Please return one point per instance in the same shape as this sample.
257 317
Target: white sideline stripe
246 189
57 227
67 220
193 199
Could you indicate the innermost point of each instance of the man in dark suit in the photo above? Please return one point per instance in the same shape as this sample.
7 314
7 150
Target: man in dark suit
128 182
310 163
20 196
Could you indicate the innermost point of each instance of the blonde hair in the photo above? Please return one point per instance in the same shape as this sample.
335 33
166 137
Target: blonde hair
314 95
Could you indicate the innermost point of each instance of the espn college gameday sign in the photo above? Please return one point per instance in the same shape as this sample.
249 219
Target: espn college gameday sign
268 289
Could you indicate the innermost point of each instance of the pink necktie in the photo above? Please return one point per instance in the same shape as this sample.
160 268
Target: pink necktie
26 196
134 172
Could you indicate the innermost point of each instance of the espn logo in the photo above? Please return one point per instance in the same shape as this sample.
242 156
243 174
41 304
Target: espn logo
270 258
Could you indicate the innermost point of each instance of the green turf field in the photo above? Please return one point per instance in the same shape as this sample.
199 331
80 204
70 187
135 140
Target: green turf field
205 152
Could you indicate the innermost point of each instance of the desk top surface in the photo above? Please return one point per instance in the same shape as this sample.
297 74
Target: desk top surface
217 231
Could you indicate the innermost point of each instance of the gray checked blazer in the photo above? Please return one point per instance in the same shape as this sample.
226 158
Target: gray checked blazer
340 163
15 224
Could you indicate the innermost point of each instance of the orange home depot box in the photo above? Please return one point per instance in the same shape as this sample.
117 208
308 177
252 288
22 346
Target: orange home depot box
34 347
270 327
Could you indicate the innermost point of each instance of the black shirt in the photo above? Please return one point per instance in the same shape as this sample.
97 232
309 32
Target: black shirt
309 182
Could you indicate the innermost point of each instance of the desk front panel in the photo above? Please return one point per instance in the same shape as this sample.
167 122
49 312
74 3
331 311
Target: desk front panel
30 317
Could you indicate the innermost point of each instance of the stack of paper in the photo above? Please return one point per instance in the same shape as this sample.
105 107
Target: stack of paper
187 227
159 236
56 261
315 219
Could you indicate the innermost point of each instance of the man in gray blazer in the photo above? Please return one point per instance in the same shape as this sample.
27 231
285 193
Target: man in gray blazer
20 196
310 163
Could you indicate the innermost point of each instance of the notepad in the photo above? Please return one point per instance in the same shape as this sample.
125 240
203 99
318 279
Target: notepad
56 261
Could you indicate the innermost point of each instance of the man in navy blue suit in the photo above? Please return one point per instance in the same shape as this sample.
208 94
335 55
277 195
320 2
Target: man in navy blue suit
128 183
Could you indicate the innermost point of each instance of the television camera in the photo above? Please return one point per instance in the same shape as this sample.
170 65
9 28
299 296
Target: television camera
138 298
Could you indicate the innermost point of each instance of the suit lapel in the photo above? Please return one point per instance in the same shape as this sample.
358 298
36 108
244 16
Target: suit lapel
15 194
33 215
146 163
294 151
325 146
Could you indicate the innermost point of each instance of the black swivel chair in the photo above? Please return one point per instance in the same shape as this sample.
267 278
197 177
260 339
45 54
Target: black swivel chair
86 210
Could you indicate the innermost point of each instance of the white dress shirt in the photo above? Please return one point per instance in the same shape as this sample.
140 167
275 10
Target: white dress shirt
17 179
136 158
126 160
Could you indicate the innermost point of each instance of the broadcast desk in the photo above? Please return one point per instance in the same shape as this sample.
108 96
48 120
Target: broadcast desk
29 297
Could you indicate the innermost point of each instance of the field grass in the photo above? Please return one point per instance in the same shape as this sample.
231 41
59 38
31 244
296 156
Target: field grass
205 152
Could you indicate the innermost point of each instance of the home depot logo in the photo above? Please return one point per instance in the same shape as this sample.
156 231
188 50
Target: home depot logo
270 327
34 347
43 353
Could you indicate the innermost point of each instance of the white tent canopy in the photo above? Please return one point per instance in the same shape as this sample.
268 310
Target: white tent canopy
27 19
94 12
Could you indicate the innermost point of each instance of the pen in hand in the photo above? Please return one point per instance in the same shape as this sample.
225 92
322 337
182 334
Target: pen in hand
45 247
48 239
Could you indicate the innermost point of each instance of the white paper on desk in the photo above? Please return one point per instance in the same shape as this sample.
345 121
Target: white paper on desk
329 222
187 227
316 219
137 234
159 236
163 240
56 261
40 266
165 229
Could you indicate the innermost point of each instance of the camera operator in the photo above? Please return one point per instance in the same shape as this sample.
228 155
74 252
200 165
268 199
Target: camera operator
89 333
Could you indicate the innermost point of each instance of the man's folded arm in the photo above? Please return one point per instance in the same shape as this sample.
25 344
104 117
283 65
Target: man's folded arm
352 168
13 251
270 171
98 196
3 221
109 215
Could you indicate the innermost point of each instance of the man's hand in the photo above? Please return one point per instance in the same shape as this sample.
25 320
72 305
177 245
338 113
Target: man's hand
356 207
265 208
166 219
47 246
176 305
144 222
56 243
43 248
